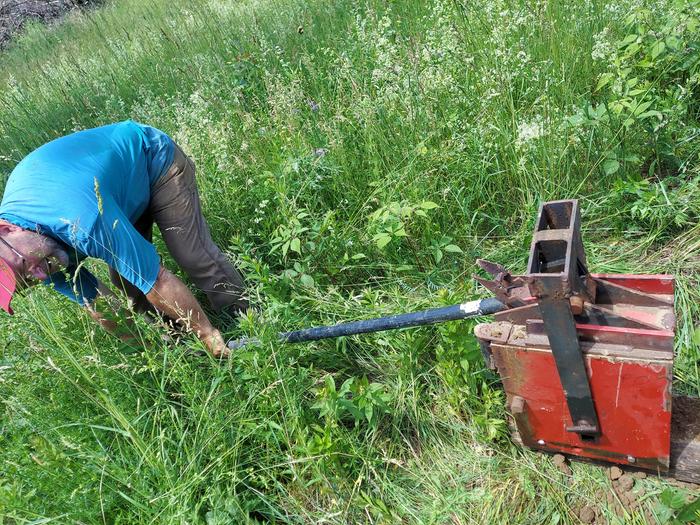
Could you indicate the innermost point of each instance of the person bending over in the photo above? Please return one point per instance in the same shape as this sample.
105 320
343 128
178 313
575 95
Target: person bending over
96 193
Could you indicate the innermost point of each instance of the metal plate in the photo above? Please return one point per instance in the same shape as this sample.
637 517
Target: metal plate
632 397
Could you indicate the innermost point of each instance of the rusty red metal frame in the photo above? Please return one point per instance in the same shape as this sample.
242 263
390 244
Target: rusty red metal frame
607 338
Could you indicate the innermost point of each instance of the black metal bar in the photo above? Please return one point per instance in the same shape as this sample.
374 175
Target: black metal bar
561 330
394 322
557 273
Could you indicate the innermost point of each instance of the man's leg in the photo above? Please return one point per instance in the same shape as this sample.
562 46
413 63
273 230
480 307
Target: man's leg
176 210
144 225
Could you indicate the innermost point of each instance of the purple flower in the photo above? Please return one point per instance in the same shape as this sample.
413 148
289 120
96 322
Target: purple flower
320 152
313 105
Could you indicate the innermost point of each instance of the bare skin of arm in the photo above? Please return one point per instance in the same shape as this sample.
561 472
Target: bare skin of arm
108 324
172 297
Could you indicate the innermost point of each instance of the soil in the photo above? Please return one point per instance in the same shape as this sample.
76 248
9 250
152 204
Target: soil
626 495
686 423
559 461
587 515
15 13
615 473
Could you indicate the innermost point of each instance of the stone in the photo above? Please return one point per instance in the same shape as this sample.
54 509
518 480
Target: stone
560 462
615 473
586 515
625 483
559 459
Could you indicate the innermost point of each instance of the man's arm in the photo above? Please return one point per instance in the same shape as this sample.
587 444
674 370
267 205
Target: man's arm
108 324
170 295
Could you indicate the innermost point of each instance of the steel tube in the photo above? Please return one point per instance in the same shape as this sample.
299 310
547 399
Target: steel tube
394 322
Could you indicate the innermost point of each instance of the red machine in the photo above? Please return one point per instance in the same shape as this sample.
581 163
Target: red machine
586 360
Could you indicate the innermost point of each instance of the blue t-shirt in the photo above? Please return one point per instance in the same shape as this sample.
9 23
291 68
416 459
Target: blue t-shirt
86 190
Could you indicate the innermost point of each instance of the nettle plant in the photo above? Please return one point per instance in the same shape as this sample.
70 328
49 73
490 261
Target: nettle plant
470 391
651 89
389 224
645 114
304 238
357 397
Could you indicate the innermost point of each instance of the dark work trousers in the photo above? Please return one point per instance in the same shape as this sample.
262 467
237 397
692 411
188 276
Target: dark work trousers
175 208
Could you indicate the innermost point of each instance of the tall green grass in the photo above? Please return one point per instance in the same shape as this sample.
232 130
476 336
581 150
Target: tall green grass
355 159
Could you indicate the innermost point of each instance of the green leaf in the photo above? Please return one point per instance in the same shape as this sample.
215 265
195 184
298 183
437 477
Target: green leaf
285 249
641 107
369 412
610 166
604 80
453 248
632 49
576 120
295 245
658 48
696 336
428 205
690 512
673 42
616 107
382 239
307 280
274 426
438 255
651 113
673 499
629 39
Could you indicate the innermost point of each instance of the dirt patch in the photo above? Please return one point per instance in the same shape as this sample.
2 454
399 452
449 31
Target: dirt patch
624 496
587 514
559 461
15 13
686 423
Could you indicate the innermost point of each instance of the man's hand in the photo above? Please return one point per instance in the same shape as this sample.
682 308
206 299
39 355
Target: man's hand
107 322
170 295
216 345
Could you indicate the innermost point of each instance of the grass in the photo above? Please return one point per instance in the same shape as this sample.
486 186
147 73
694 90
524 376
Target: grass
370 139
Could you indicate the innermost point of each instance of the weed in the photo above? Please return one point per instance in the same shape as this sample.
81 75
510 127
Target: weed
354 158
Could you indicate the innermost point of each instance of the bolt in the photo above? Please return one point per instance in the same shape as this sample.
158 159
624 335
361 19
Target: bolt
540 441
631 459
576 303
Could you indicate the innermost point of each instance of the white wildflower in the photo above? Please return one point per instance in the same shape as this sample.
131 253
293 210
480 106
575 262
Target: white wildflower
602 48
529 131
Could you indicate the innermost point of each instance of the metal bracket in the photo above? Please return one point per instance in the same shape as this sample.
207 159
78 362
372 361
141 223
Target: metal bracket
511 291
559 279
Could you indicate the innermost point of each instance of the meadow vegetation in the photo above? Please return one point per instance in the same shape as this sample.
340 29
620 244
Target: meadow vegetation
354 158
